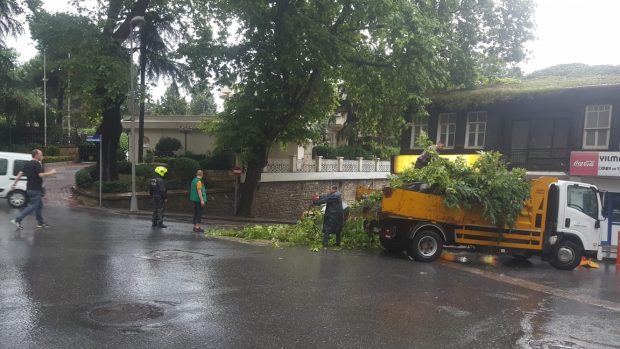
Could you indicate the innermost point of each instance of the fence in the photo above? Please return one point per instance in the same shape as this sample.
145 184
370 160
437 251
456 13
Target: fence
293 164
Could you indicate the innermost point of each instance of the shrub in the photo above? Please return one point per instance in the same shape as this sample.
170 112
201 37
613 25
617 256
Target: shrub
217 160
197 157
120 186
167 146
52 150
149 157
144 170
184 169
83 178
51 159
124 167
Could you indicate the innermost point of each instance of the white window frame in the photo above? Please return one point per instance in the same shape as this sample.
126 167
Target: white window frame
595 108
421 124
439 124
476 124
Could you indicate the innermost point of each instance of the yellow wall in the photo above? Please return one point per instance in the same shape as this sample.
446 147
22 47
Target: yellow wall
402 162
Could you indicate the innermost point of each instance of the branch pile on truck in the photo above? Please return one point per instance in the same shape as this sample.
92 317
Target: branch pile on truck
490 208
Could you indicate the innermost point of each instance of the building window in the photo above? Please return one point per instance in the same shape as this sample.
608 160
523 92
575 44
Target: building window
597 126
446 129
476 129
417 126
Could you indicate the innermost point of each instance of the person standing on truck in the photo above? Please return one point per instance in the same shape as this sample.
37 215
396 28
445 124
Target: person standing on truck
159 194
426 157
33 170
198 195
334 214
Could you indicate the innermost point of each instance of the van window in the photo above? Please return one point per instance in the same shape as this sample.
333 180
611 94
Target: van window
18 165
4 164
583 199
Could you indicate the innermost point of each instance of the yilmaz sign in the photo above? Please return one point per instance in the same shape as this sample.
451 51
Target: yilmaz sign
595 164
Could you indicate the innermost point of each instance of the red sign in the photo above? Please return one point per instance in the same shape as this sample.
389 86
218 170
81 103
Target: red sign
237 171
584 163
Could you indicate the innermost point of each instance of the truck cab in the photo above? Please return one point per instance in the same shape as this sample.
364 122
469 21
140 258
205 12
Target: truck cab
579 219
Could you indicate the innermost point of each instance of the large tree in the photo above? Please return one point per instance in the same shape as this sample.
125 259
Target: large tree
287 57
10 25
172 102
157 37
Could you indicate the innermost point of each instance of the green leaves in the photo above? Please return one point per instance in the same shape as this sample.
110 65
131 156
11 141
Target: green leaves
488 183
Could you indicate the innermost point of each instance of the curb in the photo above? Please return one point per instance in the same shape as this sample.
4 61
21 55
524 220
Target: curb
215 218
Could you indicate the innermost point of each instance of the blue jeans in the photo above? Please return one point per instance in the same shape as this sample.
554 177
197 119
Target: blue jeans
35 204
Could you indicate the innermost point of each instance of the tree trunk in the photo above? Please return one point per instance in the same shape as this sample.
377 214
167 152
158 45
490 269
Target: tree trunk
111 129
142 92
256 163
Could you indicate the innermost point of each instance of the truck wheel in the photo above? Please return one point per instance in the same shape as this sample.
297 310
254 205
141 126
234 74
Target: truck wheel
567 255
426 246
390 245
17 199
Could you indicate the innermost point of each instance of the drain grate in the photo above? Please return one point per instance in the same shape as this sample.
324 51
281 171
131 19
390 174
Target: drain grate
173 255
127 317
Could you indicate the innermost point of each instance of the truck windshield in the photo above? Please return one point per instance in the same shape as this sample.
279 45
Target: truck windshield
583 199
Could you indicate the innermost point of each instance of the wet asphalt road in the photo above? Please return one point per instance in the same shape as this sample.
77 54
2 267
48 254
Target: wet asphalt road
222 294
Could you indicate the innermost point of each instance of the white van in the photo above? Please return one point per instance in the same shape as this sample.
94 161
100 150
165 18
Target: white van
10 165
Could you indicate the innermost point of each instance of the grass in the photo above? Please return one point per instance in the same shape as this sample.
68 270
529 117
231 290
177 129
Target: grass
545 81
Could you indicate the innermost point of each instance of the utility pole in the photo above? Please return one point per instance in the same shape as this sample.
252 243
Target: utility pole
44 99
69 100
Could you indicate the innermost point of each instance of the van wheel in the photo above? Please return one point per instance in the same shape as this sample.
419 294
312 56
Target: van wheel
426 246
567 255
17 199
391 245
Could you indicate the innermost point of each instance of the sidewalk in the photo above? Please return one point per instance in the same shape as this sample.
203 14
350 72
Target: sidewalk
58 187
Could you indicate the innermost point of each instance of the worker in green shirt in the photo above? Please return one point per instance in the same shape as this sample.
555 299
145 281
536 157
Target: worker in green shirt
198 195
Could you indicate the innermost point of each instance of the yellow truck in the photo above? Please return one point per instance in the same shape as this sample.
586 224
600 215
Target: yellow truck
561 222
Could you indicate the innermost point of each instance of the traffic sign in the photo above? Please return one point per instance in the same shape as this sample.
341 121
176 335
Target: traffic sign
94 138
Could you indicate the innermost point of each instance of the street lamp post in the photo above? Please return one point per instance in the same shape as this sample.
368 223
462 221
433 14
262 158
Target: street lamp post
185 130
135 22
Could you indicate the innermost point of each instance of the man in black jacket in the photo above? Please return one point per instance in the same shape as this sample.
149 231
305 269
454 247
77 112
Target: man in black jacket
334 214
33 170
160 196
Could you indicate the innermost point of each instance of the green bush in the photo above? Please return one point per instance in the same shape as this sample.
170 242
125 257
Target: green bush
218 160
197 157
83 178
120 186
52 150
124 167
184 169
145 170
51 159
149 157
167 146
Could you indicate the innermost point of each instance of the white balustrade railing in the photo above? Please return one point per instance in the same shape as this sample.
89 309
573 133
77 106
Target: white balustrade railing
325 165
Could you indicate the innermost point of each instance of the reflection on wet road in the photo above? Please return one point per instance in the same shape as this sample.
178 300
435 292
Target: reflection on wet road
108 281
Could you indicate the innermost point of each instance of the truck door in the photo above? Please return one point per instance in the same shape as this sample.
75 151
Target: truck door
582 215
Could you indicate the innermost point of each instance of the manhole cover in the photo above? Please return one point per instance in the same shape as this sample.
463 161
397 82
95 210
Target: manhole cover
127 317
126 312
173 255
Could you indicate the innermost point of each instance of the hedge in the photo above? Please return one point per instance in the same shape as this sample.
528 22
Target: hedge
52 159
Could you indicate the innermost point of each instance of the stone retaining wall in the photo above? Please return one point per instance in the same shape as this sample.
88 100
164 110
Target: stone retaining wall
288 200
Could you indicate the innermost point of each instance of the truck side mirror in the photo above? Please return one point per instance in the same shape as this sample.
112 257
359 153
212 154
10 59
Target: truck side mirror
597 224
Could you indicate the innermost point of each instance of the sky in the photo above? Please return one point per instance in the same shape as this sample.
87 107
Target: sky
567 31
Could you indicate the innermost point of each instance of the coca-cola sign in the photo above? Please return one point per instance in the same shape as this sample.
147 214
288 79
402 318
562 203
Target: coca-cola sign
591 163
584 163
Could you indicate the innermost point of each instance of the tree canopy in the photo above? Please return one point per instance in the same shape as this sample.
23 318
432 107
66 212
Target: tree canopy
286 61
